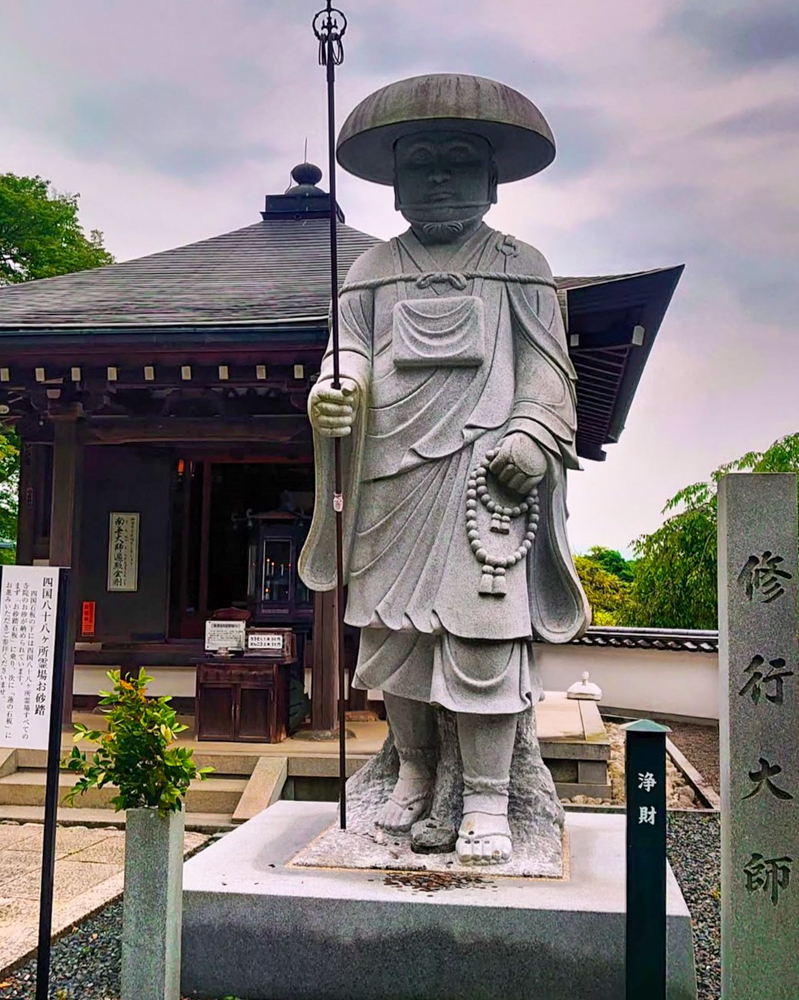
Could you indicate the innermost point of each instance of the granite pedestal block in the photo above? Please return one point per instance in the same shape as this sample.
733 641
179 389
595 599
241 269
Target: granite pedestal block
151 915
260 929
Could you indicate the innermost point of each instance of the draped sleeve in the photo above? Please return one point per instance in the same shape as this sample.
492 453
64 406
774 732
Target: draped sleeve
317 562
545 404
545 408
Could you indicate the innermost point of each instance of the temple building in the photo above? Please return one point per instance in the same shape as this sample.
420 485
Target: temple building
167 456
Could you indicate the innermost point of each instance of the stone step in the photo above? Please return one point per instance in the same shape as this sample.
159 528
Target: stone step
217 794
198 822
223 763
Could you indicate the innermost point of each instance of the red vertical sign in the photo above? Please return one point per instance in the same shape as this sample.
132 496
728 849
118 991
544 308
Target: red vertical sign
87 617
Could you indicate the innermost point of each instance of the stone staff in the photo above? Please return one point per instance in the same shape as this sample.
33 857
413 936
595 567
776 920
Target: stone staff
329 26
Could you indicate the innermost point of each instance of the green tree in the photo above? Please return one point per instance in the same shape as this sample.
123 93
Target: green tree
675 574
40 234
40 237
9 489
613 562
606 592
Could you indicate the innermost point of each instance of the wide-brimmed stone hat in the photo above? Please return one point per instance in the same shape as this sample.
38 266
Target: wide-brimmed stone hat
521 139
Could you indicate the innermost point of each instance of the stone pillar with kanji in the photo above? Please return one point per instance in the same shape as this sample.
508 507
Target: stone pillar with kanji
759 730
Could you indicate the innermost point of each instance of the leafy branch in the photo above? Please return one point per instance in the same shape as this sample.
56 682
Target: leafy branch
136 754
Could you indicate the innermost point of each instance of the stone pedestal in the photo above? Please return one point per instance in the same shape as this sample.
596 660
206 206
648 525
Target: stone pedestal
152 905
256 926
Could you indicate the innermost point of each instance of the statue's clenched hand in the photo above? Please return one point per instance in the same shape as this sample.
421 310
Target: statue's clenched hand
332 411
520 463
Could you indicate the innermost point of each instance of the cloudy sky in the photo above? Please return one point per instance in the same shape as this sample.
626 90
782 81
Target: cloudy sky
678 132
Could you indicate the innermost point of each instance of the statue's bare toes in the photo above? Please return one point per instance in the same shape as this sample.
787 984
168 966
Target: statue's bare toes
483 841
485 851
499 850
463 848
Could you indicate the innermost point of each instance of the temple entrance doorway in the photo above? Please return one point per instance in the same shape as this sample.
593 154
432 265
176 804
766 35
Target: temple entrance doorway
238 527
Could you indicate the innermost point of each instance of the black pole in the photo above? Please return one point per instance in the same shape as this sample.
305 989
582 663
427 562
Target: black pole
331 54
51 793
645 775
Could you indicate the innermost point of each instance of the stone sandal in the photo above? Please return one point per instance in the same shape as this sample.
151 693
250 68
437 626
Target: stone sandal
408 803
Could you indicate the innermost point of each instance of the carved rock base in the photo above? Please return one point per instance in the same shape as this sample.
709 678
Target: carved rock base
535 814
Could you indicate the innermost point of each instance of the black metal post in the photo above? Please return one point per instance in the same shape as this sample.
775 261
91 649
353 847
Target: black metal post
329 31
645 774
51 793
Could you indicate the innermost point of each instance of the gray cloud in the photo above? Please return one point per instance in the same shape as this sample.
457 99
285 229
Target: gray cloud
672 224
751 35
584 136
391 42
161 125
150 86
780 117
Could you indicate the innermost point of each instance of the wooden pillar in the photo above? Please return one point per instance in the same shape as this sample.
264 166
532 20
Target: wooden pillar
205 538
65 514
26 518
34 502
324 683
185 538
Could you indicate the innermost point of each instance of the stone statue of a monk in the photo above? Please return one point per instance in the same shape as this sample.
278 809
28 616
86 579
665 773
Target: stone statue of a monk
457 409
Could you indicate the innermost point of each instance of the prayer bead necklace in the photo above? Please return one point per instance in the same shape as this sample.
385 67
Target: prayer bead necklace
492 580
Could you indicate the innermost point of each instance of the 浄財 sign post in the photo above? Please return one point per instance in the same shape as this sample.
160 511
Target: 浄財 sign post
759 735
33 617
645 936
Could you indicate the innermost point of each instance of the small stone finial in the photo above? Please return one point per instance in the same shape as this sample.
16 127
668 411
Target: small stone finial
584 690
306 173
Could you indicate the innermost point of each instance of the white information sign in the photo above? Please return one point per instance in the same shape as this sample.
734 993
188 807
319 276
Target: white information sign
28 603
265 640
224 635
123 551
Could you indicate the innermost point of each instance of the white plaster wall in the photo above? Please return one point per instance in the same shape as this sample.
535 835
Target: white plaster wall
176 681
668 682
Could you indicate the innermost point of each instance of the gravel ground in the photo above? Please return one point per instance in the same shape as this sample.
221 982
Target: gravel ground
694 850
85 963
700 744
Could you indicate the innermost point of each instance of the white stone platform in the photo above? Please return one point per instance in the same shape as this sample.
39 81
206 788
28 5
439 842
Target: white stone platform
261 929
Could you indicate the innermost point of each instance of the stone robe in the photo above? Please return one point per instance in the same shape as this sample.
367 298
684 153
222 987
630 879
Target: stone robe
447 365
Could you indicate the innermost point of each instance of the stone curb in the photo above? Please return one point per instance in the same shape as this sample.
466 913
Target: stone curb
702 789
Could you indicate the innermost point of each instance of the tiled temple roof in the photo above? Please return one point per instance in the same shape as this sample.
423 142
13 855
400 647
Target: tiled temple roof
679 640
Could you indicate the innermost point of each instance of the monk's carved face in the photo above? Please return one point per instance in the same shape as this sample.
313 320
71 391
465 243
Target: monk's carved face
444 179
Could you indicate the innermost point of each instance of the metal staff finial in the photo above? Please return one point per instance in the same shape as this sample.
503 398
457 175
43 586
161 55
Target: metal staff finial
327 30
329 26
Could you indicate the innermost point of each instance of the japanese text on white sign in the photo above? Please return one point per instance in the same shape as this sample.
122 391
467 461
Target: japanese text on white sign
28 602
123 551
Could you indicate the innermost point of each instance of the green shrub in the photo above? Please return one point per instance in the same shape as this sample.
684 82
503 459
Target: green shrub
136 753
